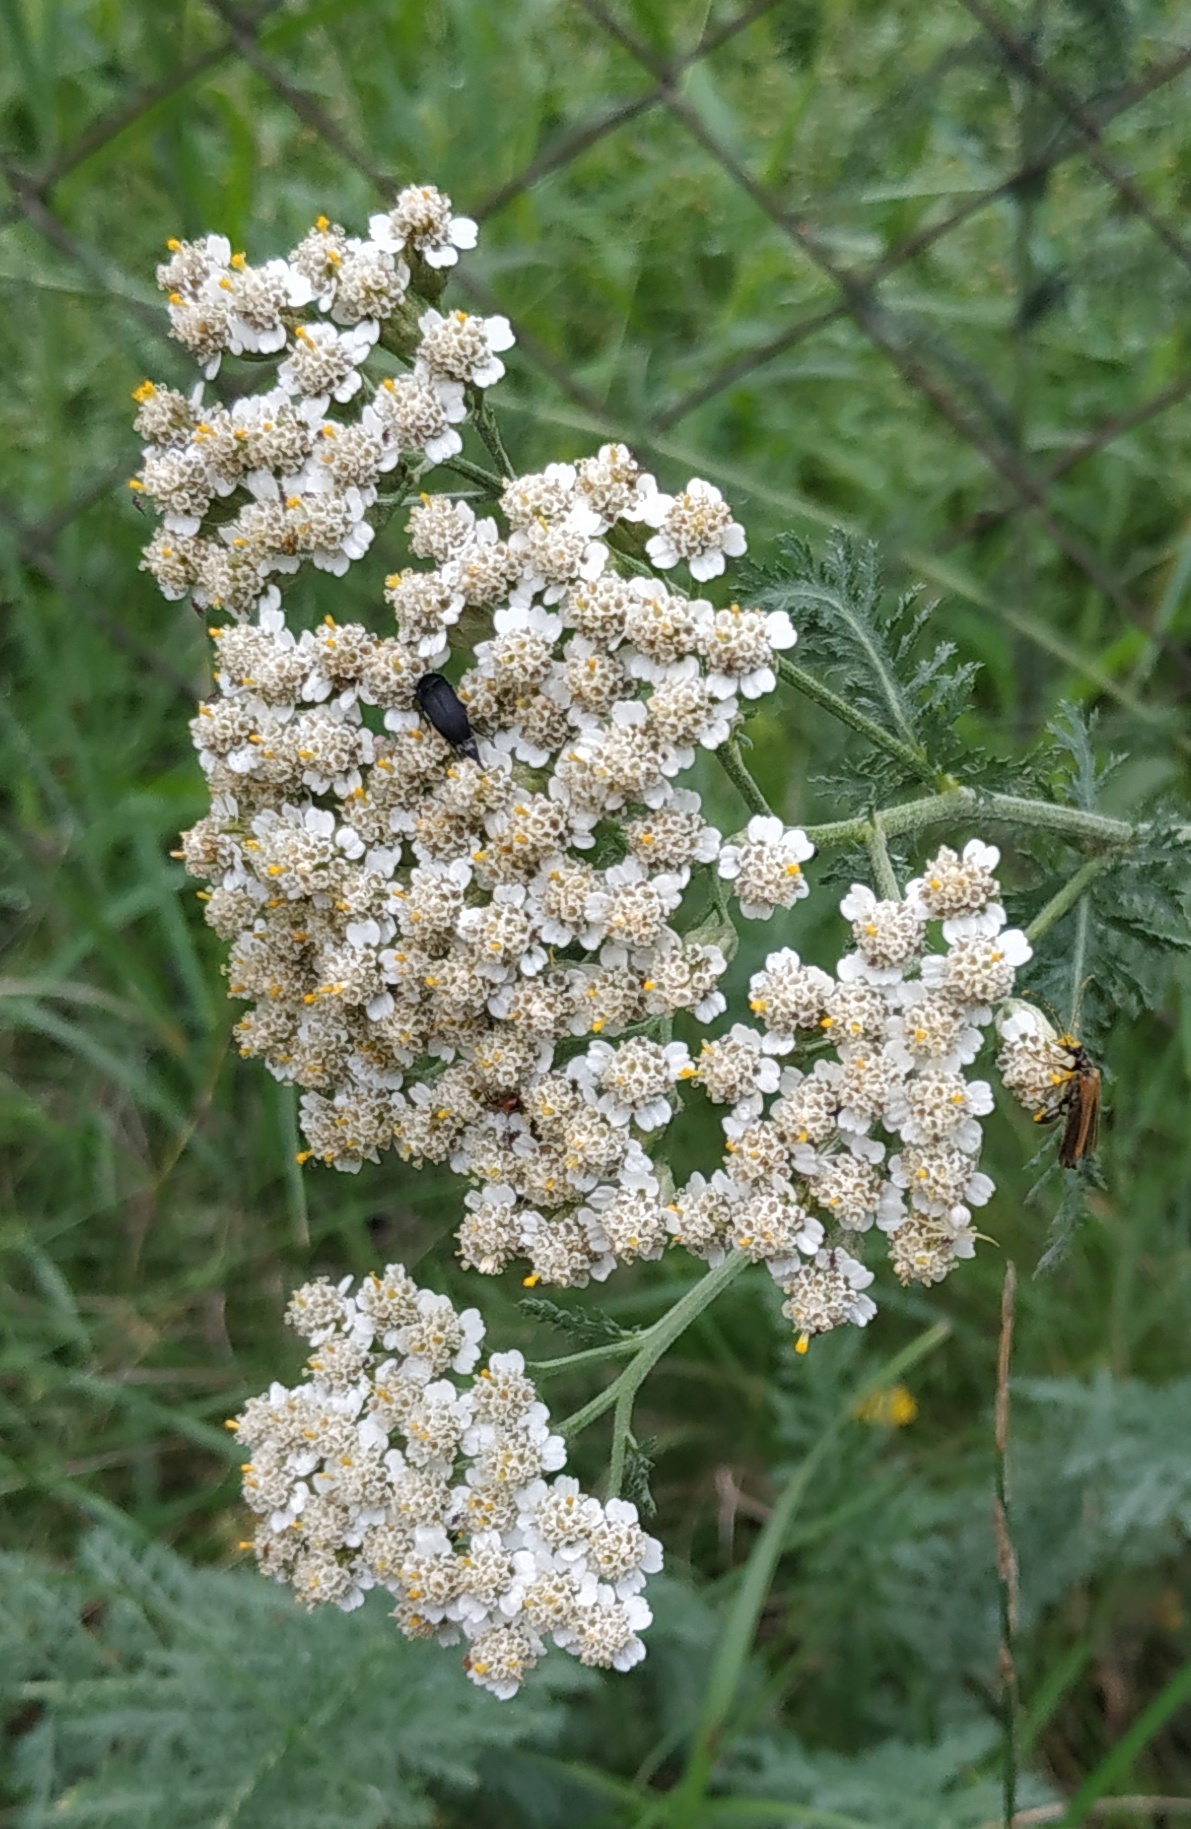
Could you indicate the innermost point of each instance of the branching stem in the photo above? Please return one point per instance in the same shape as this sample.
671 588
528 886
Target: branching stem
961 802
485 423
475 473
650 1346
590 1355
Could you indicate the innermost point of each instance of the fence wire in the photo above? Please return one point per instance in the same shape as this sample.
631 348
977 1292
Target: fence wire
1018 484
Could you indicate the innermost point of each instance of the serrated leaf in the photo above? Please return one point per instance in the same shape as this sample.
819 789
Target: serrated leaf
188 1697
874 656
638 1465
589 1326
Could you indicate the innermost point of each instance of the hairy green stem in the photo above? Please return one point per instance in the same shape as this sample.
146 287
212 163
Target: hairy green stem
719 899
812 688
475 473
910 816
884 874
1073 821
732 763
1079 953
965 802
485 423
622 1428
650 1346
1064 899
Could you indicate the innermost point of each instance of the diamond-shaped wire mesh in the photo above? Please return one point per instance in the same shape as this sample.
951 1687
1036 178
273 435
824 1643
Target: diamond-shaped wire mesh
919 271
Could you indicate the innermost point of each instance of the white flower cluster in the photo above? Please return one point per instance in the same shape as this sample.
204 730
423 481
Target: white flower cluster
806 1175
421 925
383 1469
421 932
249 490
465 932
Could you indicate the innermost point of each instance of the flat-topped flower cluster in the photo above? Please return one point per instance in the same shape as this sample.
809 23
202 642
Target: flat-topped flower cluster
904 1022
476 958
473 948
389 1467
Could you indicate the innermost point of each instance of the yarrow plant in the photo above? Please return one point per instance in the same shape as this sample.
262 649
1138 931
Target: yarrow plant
458 1522
465 917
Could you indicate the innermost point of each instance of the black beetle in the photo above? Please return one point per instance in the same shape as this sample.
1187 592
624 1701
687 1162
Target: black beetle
443 708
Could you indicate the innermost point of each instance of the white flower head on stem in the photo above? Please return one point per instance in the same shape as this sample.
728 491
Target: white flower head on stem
740 645
766 868
422 219
462 348
962 891
632 1082
697 527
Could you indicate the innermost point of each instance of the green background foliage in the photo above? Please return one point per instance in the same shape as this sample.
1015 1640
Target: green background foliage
866 263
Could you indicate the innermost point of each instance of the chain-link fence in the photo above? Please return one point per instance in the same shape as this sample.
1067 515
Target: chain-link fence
972 417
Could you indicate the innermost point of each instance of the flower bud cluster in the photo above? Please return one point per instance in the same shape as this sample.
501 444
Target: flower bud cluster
389 1467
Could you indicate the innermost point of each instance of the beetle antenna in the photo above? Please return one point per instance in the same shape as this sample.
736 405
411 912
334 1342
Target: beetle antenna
1079 1002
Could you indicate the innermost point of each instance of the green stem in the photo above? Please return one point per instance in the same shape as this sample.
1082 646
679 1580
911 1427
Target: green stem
878 736
1064 900
736 1641
732 763
485 424
966 802
655 1341
629 563
719 898
884 874
910 816
475 473
589 1355
1079 953
622 1430
1073 821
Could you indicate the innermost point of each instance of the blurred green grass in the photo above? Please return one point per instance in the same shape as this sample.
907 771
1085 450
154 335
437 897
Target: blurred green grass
151 1214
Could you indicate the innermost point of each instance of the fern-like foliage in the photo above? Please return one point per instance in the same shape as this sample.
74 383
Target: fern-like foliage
141 1691
878 657
1071 1211
1123 1445
586 1326
897 1784
1099 1479
1112 956
638 1466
